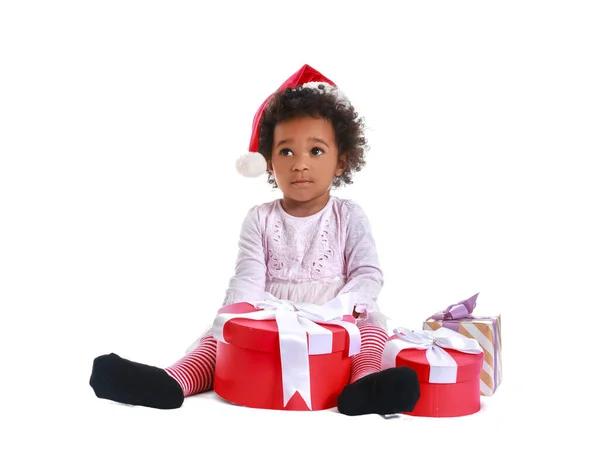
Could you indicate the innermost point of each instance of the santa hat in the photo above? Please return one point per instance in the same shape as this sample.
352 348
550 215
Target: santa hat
254 164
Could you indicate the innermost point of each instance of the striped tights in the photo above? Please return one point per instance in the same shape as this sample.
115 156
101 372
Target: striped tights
195 371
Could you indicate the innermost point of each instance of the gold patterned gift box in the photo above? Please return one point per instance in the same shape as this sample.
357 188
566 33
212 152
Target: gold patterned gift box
485 329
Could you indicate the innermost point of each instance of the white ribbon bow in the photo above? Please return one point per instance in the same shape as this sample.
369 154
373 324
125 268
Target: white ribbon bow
294 321
443 367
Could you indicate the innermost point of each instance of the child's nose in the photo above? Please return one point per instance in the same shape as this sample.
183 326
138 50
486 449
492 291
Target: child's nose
301 162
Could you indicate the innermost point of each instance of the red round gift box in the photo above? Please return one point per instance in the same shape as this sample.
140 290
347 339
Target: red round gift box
445 399
248 367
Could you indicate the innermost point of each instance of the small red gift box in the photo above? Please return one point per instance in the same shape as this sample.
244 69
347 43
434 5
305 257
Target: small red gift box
448 365
283 356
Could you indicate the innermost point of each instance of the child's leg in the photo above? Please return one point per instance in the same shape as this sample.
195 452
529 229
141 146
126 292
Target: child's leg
371 390
372 343
117 379
195 372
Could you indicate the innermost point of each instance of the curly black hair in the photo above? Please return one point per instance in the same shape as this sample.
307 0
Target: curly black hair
348 127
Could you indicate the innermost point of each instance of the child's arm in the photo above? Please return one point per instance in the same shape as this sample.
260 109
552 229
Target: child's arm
248 282
364 274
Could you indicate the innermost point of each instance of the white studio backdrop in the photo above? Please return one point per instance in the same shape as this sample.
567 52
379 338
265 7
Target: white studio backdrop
120 123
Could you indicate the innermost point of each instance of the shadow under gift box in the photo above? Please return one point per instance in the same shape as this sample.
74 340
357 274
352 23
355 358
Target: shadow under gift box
248 369
446 390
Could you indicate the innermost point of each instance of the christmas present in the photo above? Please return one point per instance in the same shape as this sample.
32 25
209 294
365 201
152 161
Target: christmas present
448 366
485 329
279 355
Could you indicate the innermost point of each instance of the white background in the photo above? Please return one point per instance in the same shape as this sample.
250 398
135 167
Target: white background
120 123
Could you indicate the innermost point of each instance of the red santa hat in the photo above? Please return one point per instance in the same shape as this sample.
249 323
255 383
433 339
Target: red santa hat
254 164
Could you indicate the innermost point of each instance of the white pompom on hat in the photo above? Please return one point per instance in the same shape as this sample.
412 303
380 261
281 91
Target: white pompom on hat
251 164
254 164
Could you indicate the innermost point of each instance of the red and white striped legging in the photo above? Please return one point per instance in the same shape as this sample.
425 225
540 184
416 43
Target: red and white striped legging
195 371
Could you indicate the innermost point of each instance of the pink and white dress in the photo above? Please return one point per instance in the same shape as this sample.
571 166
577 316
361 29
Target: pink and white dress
308 259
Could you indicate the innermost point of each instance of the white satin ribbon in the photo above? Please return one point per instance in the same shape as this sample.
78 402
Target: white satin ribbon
443 367
294 321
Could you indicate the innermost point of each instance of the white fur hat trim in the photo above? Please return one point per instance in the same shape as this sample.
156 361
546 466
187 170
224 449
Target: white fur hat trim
251 164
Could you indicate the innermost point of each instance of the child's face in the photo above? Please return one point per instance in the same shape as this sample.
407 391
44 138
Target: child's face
305 158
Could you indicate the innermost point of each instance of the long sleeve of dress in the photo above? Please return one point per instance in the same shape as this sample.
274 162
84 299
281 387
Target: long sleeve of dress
364 274
249 279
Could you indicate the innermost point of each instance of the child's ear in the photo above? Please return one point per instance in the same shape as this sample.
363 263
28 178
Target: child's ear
269 166
342 164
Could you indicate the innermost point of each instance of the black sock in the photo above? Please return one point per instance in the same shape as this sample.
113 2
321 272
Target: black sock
394 390
117 379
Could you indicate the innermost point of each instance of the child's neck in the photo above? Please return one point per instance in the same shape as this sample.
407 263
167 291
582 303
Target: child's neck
307 208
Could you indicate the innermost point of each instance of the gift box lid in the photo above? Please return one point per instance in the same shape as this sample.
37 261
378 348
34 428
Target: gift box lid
469 365
443 356
489 320
263 335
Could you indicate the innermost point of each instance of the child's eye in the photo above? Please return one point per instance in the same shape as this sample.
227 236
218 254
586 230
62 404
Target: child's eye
316 151
285 152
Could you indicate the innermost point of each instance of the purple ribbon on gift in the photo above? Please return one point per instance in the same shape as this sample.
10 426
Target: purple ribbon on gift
458 311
